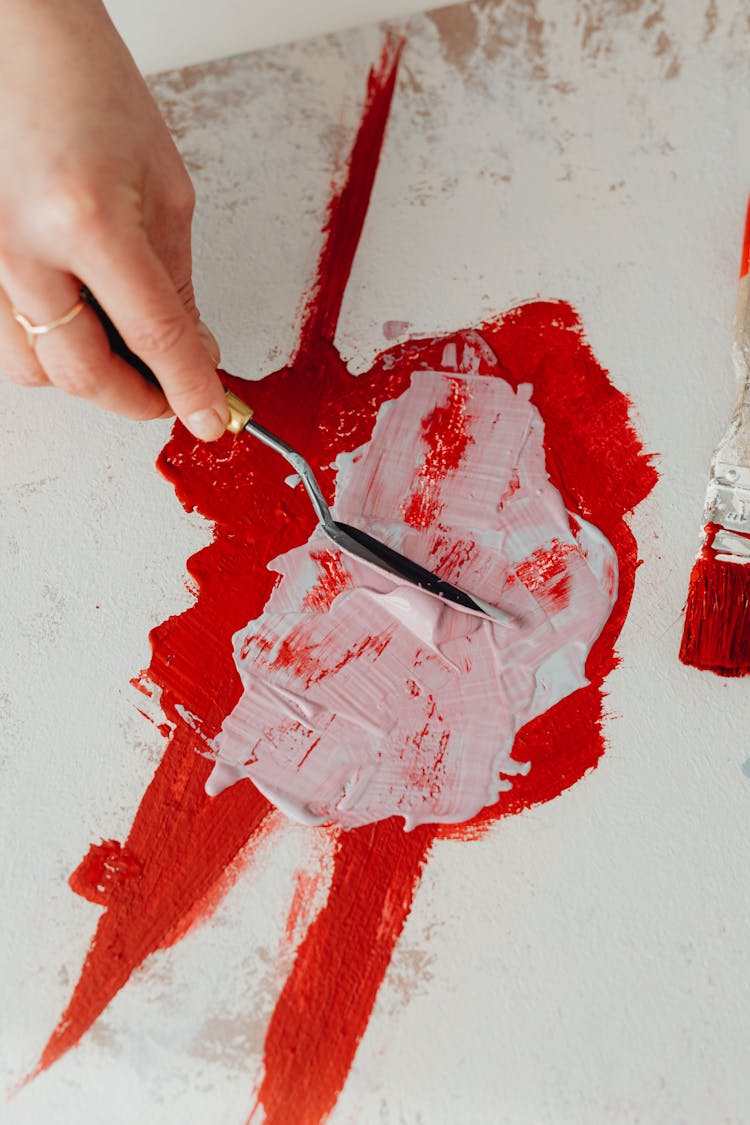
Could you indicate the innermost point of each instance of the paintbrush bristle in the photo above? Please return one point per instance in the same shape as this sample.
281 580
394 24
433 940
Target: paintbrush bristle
716 635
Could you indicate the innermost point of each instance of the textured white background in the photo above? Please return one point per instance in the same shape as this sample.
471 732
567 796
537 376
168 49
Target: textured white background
584 963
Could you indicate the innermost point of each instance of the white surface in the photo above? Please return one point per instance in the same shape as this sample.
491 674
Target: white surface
584 964
167 33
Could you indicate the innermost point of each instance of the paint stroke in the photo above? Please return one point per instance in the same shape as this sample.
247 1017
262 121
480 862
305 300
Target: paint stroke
379 699
321 1015
184 848
182 842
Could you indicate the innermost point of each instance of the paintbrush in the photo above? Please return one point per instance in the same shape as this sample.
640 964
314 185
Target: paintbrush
716 634
350 539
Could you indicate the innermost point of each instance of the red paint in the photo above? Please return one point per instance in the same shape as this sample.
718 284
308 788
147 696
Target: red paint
103 866
333 579
513 486
450 555
445 438
716 631
183 842
544 565
745 256
324 1008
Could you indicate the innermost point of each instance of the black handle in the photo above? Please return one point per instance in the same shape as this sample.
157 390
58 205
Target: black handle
116 342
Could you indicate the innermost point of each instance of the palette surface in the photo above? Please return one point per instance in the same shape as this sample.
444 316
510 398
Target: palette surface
476 268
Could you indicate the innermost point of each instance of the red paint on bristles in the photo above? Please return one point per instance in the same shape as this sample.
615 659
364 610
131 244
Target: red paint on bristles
716 635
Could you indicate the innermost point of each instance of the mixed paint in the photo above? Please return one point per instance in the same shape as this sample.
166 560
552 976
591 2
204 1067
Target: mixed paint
364 697
503 457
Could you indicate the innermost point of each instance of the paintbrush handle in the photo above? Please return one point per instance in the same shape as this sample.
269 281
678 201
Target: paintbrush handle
741 339
734 448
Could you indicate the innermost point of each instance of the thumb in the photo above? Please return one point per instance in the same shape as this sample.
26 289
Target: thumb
210 343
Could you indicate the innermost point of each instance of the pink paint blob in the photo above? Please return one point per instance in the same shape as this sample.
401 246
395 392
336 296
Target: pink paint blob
364 697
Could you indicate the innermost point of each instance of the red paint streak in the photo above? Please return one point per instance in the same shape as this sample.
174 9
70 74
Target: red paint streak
558 594
333 579
299 916
745 256
309 661
449 556
428 772
324 1008
513 486
544 565
446 439
348 208
185 843
313 745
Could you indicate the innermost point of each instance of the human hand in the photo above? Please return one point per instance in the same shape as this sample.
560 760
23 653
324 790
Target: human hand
94 192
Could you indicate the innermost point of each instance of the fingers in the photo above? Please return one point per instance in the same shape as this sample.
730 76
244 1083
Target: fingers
17 361
210 343
74 357
136 289
146 290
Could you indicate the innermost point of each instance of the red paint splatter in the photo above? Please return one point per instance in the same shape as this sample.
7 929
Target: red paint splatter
185 844
446 438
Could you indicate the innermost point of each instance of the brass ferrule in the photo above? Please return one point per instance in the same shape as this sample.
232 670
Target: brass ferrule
239 413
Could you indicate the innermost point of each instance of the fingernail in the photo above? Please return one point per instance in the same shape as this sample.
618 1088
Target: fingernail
210 343
206 425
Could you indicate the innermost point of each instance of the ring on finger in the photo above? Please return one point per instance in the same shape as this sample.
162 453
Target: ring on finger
33 330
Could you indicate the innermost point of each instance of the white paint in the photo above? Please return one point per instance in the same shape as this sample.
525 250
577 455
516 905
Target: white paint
422 723
585 963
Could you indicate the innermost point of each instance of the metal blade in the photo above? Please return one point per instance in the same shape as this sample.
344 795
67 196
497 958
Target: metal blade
364 546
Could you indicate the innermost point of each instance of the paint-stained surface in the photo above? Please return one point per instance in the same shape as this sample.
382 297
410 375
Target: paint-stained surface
532 182
384 701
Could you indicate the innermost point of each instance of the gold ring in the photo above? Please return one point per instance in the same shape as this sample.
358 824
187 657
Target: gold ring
33 330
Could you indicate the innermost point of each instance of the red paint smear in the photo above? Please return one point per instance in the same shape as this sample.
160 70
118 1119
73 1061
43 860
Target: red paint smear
182 841
308 662
544 565
449 556
103 866
324 1008
745 257
298 918
333 579
513 486
446 439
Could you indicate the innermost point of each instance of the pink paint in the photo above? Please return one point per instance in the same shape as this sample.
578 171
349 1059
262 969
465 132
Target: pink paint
365 698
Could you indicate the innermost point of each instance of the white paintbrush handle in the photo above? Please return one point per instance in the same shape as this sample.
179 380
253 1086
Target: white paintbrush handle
734 448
